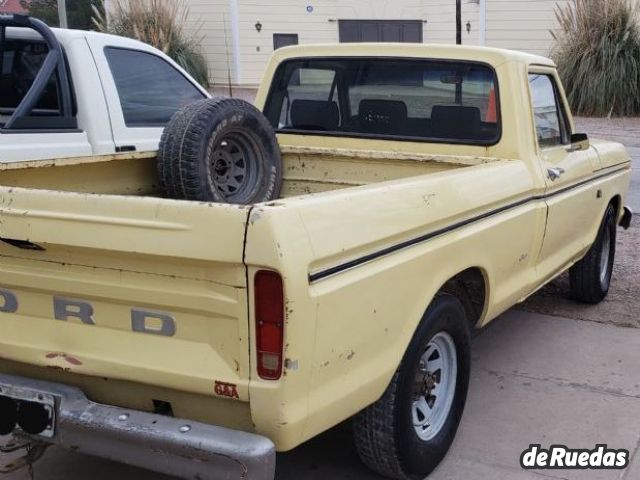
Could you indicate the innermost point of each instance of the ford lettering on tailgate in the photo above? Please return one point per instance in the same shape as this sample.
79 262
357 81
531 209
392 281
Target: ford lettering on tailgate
143 321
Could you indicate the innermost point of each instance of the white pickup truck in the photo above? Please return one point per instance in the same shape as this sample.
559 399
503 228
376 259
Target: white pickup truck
102 94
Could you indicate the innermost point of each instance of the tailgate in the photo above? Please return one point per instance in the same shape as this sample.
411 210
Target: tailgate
133 288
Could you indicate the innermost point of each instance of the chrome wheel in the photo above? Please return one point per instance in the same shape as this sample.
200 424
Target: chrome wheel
435 386
605 259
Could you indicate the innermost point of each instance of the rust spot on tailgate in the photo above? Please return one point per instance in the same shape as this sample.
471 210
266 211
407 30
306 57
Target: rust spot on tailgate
67 358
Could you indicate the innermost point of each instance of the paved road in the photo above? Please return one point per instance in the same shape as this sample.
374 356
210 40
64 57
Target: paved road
535 379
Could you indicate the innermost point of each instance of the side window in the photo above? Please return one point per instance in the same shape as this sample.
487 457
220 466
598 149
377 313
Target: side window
549 119
151 90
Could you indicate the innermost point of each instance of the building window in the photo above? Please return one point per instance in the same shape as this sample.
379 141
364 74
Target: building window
405 31
281 40
151 90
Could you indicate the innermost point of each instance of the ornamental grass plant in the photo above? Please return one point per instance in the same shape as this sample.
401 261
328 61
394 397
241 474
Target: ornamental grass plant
598 56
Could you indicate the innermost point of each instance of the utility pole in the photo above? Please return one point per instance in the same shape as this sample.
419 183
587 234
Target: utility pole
62 13
458 22
459 42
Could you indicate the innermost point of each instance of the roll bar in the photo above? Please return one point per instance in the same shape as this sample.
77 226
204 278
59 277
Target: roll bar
54 62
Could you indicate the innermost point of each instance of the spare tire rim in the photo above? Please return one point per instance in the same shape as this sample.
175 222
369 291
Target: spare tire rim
605 258
435 386
235 161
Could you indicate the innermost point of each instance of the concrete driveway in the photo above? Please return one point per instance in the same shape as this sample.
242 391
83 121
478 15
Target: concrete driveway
535 379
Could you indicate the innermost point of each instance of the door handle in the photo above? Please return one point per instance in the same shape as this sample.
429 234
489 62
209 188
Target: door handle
555 173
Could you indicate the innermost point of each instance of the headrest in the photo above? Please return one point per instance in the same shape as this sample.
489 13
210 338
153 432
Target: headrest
455 121
315 115
383 116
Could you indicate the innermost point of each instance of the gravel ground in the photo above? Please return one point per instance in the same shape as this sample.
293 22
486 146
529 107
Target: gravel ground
623 303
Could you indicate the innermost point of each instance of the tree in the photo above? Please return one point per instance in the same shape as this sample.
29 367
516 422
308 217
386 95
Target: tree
79 12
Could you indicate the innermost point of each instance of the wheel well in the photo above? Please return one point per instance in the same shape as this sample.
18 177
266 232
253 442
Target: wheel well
470 288
617 204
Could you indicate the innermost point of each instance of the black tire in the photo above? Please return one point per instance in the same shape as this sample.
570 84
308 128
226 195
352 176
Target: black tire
220 150
590 278
384 433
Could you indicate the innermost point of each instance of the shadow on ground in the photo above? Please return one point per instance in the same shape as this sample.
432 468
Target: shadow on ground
622 305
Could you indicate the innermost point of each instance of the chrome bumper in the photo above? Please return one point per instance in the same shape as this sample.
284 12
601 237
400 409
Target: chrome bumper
163 444
627 215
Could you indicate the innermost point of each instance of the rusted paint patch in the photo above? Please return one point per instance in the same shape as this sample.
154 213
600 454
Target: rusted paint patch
461 160
63 162
67 358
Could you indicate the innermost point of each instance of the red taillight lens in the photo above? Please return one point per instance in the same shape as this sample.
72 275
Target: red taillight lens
269 305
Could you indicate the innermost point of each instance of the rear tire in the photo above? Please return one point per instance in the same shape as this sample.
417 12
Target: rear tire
407 433
220 150
590 278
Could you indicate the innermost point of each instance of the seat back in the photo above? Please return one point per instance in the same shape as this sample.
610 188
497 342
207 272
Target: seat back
455 121
383 116
315 115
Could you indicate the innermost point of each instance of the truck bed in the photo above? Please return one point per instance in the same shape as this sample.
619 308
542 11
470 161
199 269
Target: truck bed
306 170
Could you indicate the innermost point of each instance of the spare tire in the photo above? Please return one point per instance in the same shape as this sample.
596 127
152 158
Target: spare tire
220 150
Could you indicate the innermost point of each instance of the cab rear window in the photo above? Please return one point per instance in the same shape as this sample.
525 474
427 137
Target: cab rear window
20 62
451 102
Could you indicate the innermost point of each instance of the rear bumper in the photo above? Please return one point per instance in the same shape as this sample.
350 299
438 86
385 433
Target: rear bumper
167 445
627 215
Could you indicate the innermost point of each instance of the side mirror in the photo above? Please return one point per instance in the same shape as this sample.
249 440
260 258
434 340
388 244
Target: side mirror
579 142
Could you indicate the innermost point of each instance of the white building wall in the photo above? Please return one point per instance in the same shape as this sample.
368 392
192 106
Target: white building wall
207 21
321 24
280 16
522 24
518 24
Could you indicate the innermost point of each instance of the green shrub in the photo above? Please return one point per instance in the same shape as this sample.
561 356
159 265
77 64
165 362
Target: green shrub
598 56
159 23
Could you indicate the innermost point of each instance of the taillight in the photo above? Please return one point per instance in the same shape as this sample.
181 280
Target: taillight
269 305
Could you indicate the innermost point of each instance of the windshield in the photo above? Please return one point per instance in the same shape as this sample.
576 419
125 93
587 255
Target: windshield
410 99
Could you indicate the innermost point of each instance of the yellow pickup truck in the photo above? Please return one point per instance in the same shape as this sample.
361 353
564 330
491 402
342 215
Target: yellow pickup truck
426 189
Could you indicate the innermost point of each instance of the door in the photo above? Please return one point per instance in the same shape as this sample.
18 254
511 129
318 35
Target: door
403 31
571 199
143 89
